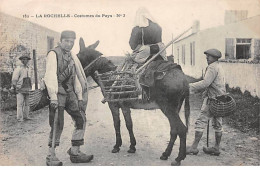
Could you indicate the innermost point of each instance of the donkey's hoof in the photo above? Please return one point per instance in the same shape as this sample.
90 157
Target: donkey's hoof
176 163
131 150
115 150
164 157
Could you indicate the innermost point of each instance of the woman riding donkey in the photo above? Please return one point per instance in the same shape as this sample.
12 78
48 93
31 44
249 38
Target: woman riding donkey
171 87
146 38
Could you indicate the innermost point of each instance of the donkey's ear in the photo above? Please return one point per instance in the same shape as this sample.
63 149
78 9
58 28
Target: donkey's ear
93 46
81 44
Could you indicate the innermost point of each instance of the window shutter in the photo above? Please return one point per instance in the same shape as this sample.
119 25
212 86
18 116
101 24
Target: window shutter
257 49
193 52
229 53
183 54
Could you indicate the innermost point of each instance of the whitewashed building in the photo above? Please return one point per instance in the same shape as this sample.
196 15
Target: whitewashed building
239 43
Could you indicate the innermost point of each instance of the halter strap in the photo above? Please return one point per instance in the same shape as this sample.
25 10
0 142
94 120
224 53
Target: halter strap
91 63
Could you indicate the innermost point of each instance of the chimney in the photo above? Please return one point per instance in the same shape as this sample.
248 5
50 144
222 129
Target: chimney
196 26
232 16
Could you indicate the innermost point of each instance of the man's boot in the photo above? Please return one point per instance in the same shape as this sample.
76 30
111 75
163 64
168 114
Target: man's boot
26 113
76 156
194 148
52 160
214 150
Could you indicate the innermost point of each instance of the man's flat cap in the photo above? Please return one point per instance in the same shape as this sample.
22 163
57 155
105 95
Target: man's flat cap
68 34
213 52
25 56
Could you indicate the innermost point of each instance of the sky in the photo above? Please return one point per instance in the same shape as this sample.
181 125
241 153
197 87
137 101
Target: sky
174 16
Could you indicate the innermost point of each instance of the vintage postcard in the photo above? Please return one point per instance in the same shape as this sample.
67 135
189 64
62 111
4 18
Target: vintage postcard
130 82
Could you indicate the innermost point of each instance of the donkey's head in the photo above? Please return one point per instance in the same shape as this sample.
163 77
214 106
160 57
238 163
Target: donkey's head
88 54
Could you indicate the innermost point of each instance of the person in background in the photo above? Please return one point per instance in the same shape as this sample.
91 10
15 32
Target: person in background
66 84
214 85
21 85
146 37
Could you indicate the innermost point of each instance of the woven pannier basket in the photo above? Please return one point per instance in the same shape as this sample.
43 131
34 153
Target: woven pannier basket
38 99
222 106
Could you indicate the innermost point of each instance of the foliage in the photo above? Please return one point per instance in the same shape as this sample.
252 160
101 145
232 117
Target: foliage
247 116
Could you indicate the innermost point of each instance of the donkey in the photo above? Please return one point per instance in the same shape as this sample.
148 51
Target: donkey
171 91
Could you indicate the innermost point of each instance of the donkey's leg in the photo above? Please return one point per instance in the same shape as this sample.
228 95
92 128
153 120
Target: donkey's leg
169 111
168 150
116 118
173 136
182 132
177 128
129 125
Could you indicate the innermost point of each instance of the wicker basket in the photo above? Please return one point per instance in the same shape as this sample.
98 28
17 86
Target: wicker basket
222 106
38 99
119 86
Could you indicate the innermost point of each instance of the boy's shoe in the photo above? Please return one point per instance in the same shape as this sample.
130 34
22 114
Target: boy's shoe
191 151
211 150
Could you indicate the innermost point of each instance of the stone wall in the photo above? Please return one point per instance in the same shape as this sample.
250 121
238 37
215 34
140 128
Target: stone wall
18 36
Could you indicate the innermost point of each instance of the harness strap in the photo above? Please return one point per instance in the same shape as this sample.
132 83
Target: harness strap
91 63
63 76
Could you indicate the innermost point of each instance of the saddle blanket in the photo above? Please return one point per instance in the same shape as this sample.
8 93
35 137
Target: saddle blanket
160 67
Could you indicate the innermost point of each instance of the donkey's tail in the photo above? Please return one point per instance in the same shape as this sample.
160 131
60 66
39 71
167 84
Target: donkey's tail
187 110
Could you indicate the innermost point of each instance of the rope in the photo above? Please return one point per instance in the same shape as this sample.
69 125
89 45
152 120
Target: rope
149 61
94 61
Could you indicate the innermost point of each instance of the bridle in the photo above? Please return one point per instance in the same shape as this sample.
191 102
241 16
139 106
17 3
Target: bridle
92 63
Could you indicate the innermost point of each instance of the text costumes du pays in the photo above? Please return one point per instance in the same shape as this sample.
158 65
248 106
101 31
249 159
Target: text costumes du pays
78 15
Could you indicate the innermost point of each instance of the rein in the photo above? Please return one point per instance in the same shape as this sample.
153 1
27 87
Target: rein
91 63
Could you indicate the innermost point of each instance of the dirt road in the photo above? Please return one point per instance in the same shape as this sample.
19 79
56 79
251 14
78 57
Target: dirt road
25 144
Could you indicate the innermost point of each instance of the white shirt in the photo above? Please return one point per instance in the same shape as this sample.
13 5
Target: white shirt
19 73
51 79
